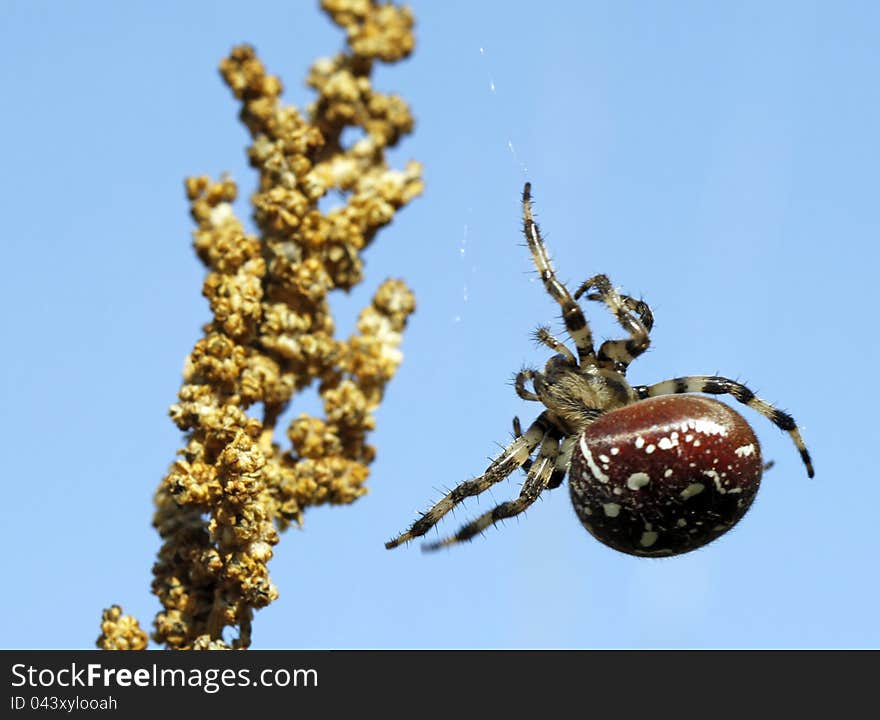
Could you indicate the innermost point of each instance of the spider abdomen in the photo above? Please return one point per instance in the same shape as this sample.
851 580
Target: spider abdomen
666 475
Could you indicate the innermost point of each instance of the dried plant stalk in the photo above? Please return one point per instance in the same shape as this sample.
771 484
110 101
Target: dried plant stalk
235 483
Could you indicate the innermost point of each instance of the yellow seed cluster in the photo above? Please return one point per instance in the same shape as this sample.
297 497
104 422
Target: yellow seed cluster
236 483
120 632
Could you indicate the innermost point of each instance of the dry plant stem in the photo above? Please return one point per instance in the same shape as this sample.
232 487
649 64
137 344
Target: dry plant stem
236 483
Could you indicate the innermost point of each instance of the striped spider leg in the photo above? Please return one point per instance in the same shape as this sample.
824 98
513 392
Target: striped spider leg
515 455
714 385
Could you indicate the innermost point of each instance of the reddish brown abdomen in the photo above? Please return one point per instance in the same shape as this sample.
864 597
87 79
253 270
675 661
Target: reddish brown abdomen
666 475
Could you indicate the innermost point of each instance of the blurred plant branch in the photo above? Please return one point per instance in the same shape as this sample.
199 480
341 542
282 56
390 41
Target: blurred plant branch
235 485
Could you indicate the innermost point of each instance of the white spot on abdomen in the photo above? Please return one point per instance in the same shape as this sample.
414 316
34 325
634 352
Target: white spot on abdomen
707 427
648 538
691 490
668 443
637 480
588 456
716 478
745 450
611 509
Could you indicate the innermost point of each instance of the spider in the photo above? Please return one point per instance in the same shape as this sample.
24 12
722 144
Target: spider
652 471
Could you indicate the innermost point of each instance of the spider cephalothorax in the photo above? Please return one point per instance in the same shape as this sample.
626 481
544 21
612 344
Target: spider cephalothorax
648 475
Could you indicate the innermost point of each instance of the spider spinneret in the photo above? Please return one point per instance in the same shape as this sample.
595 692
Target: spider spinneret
652 471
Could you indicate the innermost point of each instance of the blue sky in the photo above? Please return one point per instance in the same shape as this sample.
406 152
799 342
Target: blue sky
721 162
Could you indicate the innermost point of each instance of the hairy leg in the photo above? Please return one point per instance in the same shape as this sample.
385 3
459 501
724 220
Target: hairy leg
630 314
714 385
519 383
572 314
543 336
536 481
512 457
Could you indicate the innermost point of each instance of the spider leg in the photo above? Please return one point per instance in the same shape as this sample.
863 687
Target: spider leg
536 481
713 385
542 335
618 354
512 457
517 433
563 461
520 384
572 314
639 307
